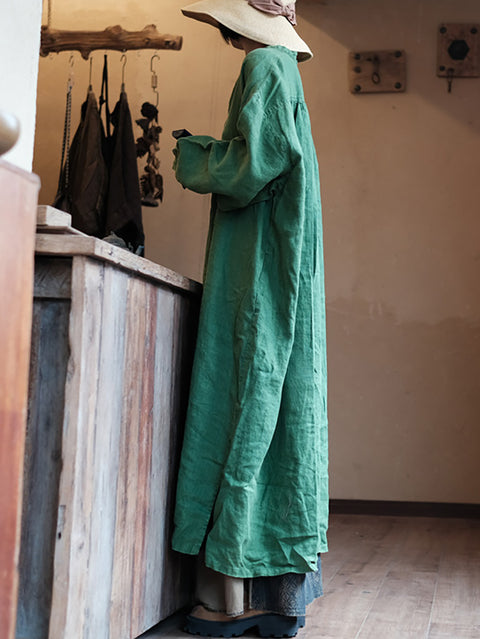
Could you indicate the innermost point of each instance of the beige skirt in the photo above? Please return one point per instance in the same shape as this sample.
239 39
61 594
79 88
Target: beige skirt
220 593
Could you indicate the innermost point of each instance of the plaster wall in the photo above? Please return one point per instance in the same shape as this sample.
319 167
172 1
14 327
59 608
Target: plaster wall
19 42
400 194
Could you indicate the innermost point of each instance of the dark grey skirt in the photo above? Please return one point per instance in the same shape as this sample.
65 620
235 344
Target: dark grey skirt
287 594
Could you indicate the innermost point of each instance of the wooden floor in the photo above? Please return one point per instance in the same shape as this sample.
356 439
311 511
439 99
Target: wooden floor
392 578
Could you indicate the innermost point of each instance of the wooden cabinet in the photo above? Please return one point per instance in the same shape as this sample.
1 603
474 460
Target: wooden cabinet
18 202
112 345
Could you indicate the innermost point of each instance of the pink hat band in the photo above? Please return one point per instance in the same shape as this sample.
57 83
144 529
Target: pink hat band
276 8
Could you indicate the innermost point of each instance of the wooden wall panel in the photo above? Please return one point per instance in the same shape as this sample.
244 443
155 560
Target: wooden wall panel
73 540
185 320
104 471
160 475
129 488
144 468
43 456
19 191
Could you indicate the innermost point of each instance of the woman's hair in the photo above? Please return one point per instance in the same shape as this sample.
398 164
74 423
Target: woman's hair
228 34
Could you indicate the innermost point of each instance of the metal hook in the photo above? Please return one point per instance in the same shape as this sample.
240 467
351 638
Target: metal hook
154 78
155 55
124 59
90 75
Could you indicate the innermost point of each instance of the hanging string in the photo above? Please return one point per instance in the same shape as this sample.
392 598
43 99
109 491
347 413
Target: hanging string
63 180
68 118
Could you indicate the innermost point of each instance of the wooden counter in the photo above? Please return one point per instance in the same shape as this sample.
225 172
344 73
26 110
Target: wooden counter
112 344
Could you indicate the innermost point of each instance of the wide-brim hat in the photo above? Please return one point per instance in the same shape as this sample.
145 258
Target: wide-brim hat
241 17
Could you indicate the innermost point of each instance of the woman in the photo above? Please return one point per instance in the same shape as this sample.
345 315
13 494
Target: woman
252 490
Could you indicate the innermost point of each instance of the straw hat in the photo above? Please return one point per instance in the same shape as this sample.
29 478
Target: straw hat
271 24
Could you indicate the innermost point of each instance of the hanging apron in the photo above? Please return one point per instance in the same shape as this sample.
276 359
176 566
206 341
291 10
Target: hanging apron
124 209
83 182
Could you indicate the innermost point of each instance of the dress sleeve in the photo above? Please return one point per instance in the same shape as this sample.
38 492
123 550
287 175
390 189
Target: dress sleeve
265 148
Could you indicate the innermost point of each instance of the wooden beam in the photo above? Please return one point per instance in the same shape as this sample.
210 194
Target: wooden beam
115 38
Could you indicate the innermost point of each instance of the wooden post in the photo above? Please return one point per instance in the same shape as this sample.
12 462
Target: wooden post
19 191
116 38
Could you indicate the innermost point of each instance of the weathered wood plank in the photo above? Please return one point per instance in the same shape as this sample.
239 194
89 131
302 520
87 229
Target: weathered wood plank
176 323
50 216
128 484
75 497
51 220
105 464
19 191
178 567
116 38
81 507
48 369
145 453
161 427
48 244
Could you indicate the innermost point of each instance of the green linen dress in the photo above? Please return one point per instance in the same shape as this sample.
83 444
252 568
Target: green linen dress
253 482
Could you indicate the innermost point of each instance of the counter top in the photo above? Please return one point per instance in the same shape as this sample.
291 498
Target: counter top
55 236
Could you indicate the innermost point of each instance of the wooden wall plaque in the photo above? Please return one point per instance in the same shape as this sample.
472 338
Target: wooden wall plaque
377 71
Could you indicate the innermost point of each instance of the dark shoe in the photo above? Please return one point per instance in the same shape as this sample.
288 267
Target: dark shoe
268 625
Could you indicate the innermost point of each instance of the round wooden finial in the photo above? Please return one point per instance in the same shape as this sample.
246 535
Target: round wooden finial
9 131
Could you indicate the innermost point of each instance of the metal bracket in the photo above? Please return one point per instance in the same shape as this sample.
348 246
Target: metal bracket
377 71
458 50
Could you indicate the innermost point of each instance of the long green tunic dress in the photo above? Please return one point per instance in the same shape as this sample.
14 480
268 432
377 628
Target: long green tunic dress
253 475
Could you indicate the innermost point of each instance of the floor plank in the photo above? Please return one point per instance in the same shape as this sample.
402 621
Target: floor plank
456 606
404 601
391 578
